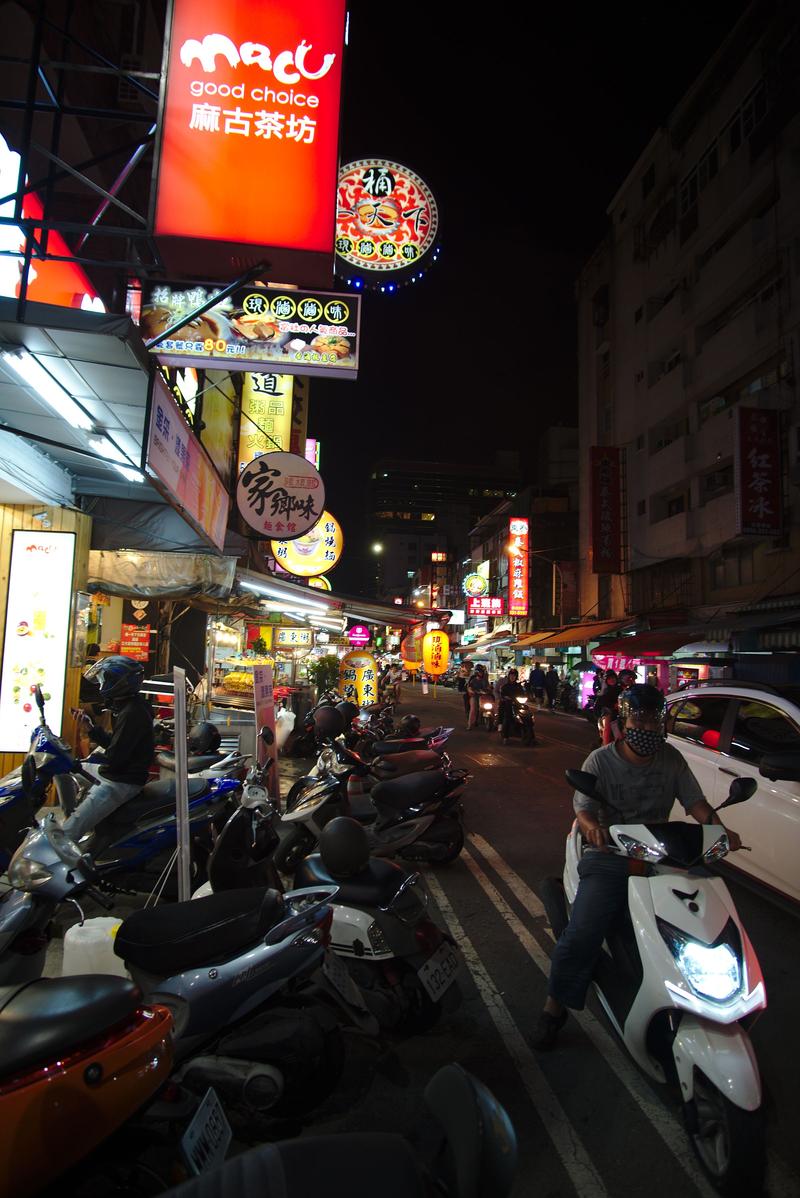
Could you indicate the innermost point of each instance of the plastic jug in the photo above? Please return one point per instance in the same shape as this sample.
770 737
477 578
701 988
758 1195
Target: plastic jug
89 948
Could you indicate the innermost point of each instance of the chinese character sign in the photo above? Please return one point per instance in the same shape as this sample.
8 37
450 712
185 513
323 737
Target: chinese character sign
435 652
475 585
386 217
266 420
294 638
358 678
517 566
757 469
281 494
292 332
359 636
486 605
315 552
605 513
249 136
177 461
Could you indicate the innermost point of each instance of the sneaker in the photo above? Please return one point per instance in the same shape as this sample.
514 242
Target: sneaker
546 1031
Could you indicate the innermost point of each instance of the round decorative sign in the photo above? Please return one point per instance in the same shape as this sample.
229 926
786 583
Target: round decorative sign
319 584
281 494
475 585
315 552
359 636
386 217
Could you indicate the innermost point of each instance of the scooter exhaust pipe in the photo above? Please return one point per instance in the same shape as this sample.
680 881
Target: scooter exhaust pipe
257 1086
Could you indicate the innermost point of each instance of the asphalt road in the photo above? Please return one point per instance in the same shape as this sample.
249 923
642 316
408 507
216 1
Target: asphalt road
588 1122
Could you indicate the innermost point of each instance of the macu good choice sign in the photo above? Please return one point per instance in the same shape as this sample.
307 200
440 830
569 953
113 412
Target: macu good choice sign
289 332
249 135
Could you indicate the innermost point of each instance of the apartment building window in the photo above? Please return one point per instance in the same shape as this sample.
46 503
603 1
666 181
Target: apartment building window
716 482
676 505
669 503
664 434
737 129
734 567
657 370
767 375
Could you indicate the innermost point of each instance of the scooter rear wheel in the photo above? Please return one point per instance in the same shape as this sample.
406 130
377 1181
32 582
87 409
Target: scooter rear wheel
728 1141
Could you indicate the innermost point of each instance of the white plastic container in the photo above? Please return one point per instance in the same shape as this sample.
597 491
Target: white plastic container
89 948
284 723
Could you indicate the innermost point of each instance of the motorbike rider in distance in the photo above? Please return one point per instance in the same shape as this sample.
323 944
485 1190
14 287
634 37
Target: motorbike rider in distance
509 691
129 748
478 688
639 777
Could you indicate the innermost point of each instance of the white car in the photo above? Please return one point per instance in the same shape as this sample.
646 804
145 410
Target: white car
736 729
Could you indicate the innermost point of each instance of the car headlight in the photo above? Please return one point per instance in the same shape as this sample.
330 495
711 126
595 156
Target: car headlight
713 971
24 874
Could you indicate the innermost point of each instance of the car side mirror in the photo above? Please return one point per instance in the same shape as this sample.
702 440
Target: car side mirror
741 790
780 767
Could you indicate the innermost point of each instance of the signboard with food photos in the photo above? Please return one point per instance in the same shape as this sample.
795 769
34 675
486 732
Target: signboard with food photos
257 328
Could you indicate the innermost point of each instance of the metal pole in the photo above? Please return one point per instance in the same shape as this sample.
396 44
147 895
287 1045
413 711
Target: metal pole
210 303
181 786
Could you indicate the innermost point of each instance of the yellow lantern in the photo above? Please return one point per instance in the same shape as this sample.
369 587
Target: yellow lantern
435 651
358 677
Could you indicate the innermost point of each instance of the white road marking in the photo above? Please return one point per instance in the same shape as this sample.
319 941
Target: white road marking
781 1182
572 1154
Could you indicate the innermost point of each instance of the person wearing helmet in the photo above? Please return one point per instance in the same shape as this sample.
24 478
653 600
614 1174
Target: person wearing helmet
510 689
128 748
639 776
478 687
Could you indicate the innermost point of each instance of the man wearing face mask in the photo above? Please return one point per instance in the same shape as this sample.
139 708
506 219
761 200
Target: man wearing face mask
640 776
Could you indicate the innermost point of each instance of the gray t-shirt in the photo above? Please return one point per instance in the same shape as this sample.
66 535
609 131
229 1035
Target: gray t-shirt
638 794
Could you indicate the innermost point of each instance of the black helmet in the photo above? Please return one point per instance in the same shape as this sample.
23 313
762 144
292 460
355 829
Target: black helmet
118 677
344 847
348 712
626 678
204 738
640 701
409 726
328 721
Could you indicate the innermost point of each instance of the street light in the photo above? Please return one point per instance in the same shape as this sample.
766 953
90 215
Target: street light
377 547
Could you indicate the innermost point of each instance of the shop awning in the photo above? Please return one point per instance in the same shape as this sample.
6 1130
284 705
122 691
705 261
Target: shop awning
528 639
660 642
581 634
130 573
495 640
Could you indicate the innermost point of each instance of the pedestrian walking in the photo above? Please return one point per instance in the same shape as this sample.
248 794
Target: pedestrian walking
536 684
464 672
551 686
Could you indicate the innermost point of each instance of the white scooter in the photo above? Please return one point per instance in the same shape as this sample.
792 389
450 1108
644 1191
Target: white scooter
678 978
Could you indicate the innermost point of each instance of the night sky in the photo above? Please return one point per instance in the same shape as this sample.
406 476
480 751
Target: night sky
524 132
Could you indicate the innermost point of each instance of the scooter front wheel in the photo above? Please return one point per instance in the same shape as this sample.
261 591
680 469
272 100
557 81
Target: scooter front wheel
728 1141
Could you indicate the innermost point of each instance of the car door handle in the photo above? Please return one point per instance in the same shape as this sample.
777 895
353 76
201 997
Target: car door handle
731 773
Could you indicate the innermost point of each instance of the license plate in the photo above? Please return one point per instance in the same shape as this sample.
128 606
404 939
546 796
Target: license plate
207 1138
439 971
338 975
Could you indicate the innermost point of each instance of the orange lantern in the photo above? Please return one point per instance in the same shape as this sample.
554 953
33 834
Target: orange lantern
435 651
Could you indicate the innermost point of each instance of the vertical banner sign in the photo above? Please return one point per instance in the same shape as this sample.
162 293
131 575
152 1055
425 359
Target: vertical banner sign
266 422
300 416
249 136
605 509
358 677
518 566
264 702
37 633
757 473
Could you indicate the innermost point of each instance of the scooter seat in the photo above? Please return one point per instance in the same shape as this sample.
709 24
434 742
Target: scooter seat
164 790
43 1019
412 762
167 760
375 886
384 748
408 791
167 940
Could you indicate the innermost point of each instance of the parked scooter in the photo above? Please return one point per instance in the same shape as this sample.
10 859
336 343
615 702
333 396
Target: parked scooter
83 1048
678 978
472 1153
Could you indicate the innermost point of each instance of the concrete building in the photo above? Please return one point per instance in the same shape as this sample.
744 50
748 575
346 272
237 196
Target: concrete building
688 311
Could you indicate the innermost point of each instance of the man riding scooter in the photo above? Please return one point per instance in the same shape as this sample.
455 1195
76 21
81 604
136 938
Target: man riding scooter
510 690
640 776
129 748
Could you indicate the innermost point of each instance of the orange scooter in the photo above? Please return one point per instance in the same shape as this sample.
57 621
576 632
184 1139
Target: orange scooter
78 1057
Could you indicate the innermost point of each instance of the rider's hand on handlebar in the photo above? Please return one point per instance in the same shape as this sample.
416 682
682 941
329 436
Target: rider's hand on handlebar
734 840
596 836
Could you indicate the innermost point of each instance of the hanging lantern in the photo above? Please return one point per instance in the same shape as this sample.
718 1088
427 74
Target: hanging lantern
435 651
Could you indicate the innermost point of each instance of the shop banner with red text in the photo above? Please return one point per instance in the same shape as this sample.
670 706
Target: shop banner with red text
605 509
757 473
518 566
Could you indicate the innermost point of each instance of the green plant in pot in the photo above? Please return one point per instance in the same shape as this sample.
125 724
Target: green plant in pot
324 673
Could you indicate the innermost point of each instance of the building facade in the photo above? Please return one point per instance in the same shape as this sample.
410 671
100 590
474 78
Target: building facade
688 315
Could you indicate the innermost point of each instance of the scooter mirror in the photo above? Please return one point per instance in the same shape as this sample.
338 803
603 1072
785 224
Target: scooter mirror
39 699
582 781
267 735
741 790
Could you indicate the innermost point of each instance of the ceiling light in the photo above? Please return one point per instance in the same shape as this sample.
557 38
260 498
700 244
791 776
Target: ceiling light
34 375
274 594
106 449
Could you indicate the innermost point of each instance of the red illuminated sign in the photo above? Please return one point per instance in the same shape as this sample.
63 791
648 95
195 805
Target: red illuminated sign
248 150
517 566
757 472
605 509
486 605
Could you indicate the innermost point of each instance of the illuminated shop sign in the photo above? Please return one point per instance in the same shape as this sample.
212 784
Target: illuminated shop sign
316 552
358 677
37 633
386 222
605 510
249 134
290 332
359 636
518 566
294 638
281 493
486 605
475 585
757 472
266 418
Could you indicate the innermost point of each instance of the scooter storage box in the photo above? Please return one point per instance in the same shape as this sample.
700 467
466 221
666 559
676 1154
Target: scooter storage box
89 948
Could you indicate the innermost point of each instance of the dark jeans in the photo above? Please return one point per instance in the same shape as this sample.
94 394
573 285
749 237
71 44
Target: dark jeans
601 899
551 696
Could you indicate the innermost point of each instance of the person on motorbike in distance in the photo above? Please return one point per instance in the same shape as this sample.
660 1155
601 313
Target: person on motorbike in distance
478 687
509 691
639 776
129 748
606 706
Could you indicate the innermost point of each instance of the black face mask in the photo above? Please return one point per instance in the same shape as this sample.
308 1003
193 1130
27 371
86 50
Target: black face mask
644 742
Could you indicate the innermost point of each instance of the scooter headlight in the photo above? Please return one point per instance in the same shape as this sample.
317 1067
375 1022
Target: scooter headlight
488 706
24 874
713 971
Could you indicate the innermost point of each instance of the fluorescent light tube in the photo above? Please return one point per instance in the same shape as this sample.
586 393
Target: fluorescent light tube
116 458
281 596
34 375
